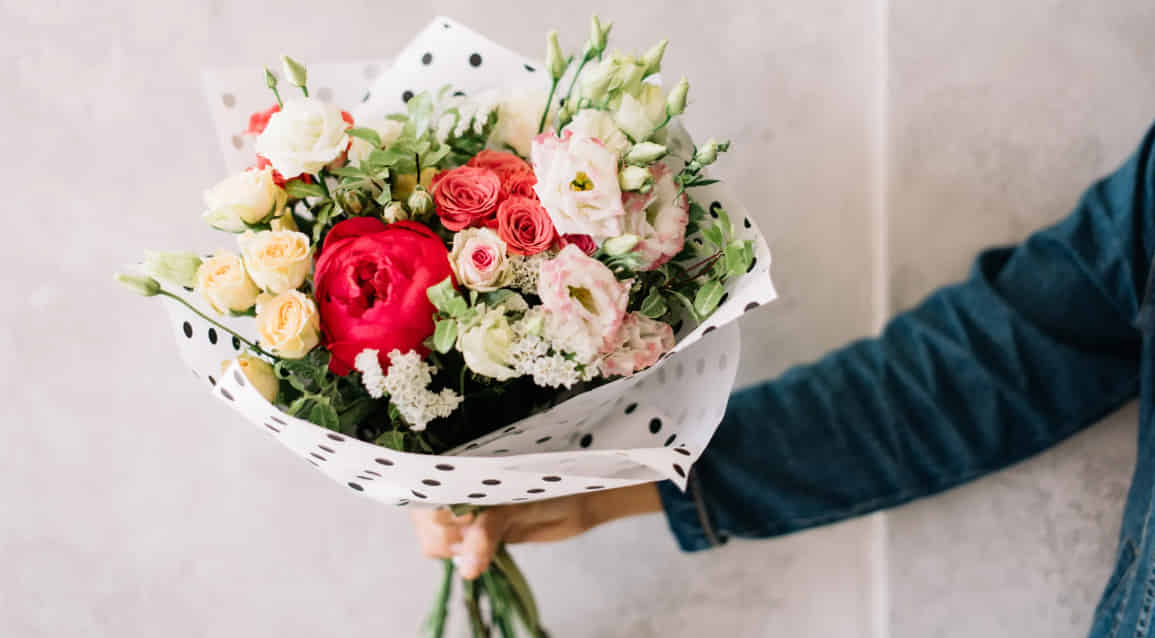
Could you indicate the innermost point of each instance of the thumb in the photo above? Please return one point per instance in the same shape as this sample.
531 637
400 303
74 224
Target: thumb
480 541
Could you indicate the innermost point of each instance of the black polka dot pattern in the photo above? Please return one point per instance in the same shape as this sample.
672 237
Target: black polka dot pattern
406 96
444 467
430 482
491 482
655 425
631 407
418 494
236 344
385 462
543 439
187 328
213 336
586 440
356 486
475 60
535 490
683 451
670 440
529 68
427 58
240 378
551 479
679 470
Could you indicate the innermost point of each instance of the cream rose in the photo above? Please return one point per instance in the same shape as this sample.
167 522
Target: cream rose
658 219
518 114
387 130
577 183
486 346
599 125
584 301
259 373
250 197
480 260
288 324
223 282
641 341
304 136
277 260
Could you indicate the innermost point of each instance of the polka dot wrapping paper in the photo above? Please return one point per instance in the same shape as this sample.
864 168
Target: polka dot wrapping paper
648 427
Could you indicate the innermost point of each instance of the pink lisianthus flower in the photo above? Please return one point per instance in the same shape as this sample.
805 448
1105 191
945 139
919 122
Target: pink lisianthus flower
642 341
584 302
658 218
577 183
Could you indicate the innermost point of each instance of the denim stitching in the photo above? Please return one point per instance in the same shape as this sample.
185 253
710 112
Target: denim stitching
703 514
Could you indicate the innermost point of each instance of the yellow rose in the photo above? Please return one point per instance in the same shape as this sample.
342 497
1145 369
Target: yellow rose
223 282
277 260
288 325
404 184
245 198
259 373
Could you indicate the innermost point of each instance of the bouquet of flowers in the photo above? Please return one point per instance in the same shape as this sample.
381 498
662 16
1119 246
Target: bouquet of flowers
459 303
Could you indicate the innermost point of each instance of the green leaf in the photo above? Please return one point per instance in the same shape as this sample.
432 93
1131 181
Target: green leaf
298 189
324 415
355 414
397 117
367 134
298 406
441 293
697 212
445 335
738 256
713 234
654 305
394 440
251 312
323 215
707 298
686 303
350 171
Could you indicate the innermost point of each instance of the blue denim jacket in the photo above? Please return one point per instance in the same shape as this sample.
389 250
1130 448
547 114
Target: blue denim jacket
1044 339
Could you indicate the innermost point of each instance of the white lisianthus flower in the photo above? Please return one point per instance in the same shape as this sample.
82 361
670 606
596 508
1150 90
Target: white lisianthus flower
486 346
636 119
577 183
388 130
480 260
599 125
288 324
304 136
277 260
641 342
249 197
584 302
658 218
518 114
225 285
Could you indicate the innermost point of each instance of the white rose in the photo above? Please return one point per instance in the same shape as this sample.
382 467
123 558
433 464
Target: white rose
480 260
304 136
277 260
288 324
658 218
577 183
486 346
599 125
250 197
518 114
223 282
258 372
387 130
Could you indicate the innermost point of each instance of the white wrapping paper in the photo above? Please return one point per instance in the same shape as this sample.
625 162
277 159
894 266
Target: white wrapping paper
650 427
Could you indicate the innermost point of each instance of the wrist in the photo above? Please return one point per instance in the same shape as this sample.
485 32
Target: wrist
610 505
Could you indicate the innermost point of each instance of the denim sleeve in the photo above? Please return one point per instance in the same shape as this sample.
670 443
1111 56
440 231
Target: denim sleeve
1039 342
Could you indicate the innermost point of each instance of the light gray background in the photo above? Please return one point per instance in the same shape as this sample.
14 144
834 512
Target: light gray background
880 144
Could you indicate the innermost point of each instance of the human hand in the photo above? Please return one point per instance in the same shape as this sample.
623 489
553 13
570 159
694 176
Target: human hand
472 539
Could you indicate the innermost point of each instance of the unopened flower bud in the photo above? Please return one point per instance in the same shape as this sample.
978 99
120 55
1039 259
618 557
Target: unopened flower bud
179 268
554 58
394 212
420 201
645 153
294 71
635 178
270 79
676 100
597 81
146 286
620 245
652 60
707 153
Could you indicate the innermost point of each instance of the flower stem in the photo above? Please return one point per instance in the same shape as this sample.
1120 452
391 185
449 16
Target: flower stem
435 623
473 606
252 346
548 102
522 595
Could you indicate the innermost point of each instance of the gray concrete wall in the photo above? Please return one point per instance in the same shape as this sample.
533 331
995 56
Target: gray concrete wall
927 128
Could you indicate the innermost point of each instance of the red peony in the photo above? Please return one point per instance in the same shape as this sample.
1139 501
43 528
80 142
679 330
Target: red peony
524 226
466 196
370 281
500 162
584 242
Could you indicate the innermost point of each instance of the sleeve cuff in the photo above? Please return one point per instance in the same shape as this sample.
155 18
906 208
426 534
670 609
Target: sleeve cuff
688 516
